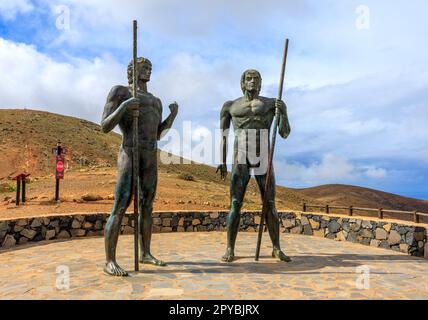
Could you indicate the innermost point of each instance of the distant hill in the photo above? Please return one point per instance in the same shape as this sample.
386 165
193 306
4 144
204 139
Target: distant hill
339 194
27 138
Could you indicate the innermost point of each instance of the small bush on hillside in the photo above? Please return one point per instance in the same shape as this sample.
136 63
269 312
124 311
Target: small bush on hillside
186 176
7 187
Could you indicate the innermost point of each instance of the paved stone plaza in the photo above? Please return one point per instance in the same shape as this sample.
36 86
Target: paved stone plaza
321 269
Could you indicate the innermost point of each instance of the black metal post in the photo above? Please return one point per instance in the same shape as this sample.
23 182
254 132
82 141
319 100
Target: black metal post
57 190
23 189
18 190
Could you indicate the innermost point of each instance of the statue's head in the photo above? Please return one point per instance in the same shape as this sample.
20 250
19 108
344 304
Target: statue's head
251 80
144 68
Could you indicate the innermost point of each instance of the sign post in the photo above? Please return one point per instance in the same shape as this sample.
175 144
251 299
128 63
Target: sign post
59 174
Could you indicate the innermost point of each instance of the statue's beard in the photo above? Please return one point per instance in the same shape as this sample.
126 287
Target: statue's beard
143 79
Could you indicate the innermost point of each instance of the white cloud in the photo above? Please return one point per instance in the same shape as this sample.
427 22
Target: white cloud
201 133
375 117
376 173
178 19
199 86
9 9
332 168
34 80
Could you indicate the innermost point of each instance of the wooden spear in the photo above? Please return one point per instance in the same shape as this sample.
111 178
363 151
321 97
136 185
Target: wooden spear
270 155
135 164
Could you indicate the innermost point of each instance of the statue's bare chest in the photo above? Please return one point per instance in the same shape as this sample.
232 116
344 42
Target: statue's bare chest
243 109
255 114
150 110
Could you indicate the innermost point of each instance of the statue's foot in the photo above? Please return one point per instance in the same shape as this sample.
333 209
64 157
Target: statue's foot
277 253
149 259
113 269
229 256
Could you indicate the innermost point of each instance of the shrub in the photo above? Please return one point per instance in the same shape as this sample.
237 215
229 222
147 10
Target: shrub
186 176
7 187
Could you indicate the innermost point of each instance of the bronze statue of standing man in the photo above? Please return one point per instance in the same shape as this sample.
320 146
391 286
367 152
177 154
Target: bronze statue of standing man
119 111
251 114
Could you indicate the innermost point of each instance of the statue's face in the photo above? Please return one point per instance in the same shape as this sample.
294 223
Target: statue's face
251 81
144 71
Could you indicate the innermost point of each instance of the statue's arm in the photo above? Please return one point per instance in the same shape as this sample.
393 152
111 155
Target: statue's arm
225 119
113 109
283 124
167 123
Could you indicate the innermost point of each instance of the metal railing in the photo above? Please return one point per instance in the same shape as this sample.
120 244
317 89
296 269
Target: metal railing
351 210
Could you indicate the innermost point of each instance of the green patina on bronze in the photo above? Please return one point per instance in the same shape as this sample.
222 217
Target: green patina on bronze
250 112
119 110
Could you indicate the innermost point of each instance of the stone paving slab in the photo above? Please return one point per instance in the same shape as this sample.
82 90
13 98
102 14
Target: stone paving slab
321 269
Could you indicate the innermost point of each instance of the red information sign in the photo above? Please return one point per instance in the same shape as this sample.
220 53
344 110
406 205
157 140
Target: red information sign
60 167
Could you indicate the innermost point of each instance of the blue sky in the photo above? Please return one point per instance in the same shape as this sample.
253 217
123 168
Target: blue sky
356 82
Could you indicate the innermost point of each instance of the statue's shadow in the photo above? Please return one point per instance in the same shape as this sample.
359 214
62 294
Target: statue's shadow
308 264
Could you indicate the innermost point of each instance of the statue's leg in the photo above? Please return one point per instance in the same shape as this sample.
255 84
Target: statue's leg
272 218
122 200
148 184
238 185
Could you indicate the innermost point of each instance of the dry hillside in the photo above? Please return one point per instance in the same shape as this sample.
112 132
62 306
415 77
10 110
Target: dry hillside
27 138
339 194
30 136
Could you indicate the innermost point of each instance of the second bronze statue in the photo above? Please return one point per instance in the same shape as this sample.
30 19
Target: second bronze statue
252 116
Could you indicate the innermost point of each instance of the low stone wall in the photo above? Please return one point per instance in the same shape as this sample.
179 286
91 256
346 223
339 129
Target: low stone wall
397 236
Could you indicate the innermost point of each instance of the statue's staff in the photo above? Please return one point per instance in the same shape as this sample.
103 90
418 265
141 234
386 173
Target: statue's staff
135 166
270 155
